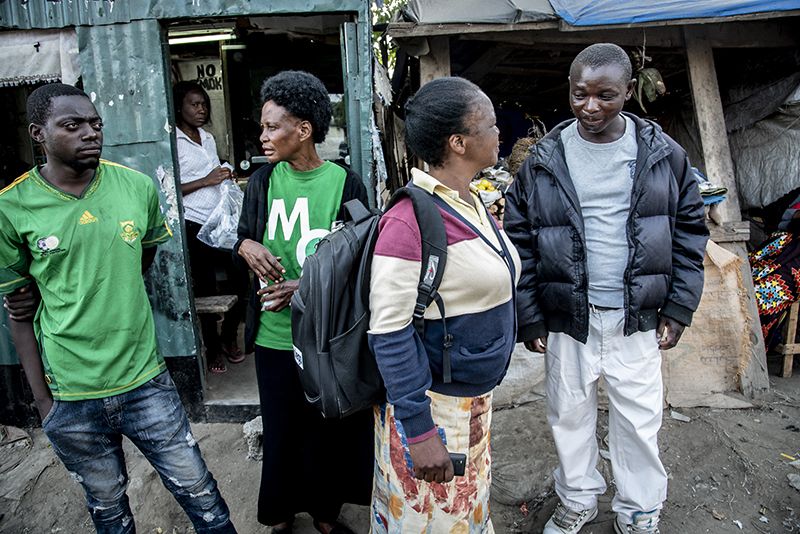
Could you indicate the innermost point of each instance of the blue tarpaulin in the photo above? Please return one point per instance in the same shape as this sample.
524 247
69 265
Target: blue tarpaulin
599 12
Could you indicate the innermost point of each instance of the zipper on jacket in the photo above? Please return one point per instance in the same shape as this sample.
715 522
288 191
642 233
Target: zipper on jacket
649 162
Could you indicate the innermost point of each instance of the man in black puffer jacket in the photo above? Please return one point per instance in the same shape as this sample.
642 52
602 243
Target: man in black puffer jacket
608 219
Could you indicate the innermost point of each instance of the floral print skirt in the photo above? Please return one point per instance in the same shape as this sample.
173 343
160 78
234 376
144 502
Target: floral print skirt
403 504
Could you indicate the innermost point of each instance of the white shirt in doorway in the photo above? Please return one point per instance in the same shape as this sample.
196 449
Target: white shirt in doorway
195 161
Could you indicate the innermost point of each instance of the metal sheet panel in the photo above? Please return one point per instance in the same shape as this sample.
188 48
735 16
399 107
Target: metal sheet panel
62 13
131 93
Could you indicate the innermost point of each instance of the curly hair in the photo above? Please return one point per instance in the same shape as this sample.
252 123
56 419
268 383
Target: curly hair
438 110
40 102
304 96
602 54
181 89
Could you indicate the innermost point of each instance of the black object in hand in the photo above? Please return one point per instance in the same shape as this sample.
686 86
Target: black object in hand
459 463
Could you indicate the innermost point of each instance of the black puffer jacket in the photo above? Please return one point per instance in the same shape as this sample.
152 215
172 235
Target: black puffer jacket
253 224
666 236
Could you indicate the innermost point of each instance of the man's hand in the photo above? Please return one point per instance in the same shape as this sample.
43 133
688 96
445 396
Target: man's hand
22 304
278 295
44 405
537 345
261 261
430 460
669 331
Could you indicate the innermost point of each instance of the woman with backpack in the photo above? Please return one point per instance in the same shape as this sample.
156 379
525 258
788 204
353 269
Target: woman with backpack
439 386
310 464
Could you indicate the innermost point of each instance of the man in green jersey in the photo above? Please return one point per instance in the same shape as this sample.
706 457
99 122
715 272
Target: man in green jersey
83 230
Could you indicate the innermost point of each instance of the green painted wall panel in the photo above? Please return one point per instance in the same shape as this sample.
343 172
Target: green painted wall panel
123 67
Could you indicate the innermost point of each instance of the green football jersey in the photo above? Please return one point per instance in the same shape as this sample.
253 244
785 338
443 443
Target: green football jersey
301 207
94 325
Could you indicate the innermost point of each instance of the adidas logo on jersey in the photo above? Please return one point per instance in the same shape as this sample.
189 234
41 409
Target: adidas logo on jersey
87 218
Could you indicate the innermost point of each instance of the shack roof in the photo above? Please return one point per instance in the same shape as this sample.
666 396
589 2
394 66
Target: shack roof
586 12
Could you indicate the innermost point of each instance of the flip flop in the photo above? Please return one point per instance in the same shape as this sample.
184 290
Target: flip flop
217 366
234 354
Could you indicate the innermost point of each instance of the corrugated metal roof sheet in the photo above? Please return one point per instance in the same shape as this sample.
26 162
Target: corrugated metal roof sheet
60 13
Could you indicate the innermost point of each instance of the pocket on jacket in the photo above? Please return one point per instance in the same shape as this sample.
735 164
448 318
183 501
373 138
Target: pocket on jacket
481 362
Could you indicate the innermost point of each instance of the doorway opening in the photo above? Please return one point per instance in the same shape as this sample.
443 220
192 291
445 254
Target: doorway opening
230 59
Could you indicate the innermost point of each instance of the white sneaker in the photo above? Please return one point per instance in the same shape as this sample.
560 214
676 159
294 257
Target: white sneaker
565 520
642 523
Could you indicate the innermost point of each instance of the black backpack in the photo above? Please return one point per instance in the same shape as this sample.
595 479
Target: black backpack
330 309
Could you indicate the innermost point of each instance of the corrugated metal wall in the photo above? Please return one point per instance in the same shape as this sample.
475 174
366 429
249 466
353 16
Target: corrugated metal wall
62 13
123 73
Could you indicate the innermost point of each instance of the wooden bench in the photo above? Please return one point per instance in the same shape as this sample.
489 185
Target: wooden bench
791 347
214 304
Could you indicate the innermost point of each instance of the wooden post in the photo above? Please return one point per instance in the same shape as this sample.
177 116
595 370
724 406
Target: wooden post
754 379
790 347
436 63
710 121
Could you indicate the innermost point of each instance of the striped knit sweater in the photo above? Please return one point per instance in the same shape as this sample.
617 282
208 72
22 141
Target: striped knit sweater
478 295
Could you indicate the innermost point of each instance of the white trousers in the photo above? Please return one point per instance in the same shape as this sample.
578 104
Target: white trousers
631 366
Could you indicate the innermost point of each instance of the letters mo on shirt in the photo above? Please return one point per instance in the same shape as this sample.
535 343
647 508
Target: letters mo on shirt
308 237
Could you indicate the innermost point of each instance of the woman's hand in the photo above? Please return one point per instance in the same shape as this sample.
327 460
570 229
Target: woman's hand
430 460
218 175
276 297
261 261
215 177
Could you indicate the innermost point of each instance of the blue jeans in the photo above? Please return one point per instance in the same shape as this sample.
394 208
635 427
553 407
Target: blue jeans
87 436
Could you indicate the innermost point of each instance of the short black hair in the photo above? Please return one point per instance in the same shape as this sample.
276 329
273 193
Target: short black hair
602 54
438 110
181 89
304 96
40 101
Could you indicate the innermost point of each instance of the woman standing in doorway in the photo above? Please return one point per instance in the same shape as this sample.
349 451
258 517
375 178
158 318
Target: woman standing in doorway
310 464
201 174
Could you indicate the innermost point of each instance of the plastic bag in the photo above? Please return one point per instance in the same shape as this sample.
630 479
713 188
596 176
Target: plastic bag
219 231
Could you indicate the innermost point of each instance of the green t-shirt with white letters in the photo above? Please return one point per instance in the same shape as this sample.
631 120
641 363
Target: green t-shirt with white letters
301 207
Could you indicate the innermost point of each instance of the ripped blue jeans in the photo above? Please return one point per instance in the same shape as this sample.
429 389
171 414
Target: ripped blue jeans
87 436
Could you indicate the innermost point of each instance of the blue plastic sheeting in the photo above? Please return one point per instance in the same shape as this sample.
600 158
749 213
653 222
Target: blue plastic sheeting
599 12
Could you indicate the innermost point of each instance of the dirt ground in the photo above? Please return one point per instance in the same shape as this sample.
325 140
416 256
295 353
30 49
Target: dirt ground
729 470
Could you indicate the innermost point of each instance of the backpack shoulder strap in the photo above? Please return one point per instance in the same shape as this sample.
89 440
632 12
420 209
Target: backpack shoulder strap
356 210
434 258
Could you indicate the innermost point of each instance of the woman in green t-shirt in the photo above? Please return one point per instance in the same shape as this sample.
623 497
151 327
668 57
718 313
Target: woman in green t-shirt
310 464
